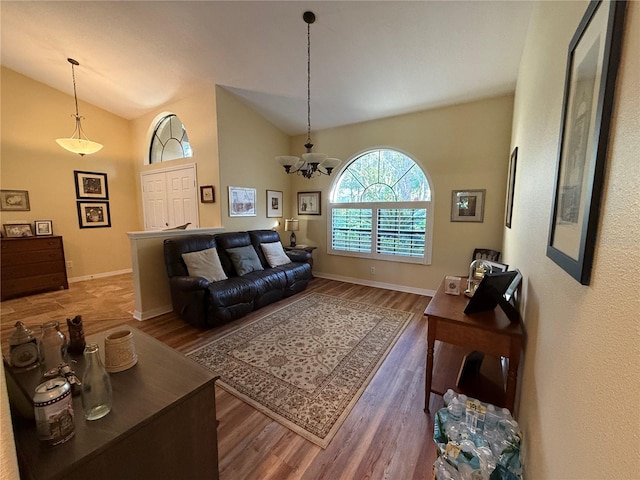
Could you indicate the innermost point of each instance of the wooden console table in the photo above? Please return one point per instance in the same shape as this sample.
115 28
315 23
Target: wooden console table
489 332
162 423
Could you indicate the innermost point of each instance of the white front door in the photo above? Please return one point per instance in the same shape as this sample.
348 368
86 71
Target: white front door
169 198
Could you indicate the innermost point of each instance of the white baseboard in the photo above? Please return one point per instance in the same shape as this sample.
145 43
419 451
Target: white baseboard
369 283
98 275
155 312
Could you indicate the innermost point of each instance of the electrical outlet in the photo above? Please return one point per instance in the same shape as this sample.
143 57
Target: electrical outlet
69 264
373 270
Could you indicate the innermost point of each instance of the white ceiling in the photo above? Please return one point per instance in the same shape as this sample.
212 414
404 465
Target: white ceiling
368 59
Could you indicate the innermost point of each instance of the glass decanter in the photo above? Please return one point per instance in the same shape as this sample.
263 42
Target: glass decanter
52 346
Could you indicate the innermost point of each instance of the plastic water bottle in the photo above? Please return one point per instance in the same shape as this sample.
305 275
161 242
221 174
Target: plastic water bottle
462 398
456 410
490 419
448 396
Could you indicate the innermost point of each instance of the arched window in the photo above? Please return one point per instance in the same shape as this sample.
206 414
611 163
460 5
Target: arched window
380 207
169 141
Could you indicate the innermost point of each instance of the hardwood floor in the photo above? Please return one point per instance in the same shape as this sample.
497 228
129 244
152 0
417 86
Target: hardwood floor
386 436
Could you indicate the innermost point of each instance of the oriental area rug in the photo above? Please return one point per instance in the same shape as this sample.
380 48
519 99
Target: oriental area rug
306 365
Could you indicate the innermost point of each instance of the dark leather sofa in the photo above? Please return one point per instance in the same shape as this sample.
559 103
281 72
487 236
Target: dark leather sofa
204 304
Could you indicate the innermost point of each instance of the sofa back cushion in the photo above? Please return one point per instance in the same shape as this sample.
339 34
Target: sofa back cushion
176 246
206 264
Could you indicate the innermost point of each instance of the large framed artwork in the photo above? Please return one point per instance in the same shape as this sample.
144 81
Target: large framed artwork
94 214
594 54
242 202
91 185
511 185
274 204
467 205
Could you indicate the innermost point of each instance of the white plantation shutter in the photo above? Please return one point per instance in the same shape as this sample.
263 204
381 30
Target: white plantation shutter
380 207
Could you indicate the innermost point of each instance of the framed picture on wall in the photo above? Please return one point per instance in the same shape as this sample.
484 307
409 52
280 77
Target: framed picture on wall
309 203
91 185
511 185
207 194
274 204
17 200
467 205
592 64
94 214
242 202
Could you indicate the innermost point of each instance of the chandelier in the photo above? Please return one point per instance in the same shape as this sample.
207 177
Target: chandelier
311 164
78 142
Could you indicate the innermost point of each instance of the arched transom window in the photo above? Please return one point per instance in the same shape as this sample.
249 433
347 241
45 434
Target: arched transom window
380 207
169 141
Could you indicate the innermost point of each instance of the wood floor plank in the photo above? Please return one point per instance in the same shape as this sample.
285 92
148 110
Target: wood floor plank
386 436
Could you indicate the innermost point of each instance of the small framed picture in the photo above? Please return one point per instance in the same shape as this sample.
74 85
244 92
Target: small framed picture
91 185
467 205
17 230
308 203
242 202
274 204
207 194
94 214
17 200
44 228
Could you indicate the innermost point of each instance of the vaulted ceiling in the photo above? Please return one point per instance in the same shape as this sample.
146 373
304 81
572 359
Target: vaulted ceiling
368 59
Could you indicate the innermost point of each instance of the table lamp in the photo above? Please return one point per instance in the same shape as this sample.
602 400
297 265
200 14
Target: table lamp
291 226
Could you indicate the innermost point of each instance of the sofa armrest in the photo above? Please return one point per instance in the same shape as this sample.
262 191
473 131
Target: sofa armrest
301 256
189 283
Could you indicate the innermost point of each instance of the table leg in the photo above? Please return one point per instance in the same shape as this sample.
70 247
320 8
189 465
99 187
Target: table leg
431 340
512 373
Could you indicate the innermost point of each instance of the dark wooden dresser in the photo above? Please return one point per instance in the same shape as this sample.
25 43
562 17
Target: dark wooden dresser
30 265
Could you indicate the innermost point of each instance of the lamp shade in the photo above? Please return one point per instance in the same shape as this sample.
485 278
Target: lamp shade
80 146
291 225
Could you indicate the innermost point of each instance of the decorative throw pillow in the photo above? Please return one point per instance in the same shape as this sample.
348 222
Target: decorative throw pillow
206 264
244 259
274 253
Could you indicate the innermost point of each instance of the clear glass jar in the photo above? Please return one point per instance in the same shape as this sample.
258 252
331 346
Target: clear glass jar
52 346
96 385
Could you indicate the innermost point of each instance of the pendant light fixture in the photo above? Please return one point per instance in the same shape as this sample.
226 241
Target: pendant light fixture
78 142
311 164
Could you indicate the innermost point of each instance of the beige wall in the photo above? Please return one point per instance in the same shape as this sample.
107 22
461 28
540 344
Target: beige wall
248 147
463 146
33 116
198 115
580 385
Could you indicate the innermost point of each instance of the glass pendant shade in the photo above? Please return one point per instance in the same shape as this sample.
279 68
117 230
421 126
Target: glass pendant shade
80 146
316 158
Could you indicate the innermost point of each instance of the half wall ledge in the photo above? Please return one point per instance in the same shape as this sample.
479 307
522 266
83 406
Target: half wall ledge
150 282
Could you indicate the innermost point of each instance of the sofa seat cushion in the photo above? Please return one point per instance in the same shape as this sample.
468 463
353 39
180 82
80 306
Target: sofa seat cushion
245 259
275 254
295 272
232 291
265 280
204 263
